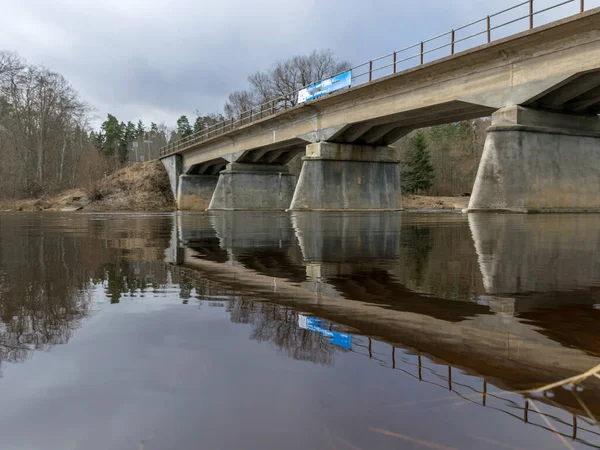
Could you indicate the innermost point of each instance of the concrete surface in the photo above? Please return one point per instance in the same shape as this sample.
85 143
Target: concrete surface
253 187
347 177
536 161
195 192
526 253
174 167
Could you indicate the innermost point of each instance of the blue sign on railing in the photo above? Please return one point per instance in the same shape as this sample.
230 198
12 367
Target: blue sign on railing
341 81
313 324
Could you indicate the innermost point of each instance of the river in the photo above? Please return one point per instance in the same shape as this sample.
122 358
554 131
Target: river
299 331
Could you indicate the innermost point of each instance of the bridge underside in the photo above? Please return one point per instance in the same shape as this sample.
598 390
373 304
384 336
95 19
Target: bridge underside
542 88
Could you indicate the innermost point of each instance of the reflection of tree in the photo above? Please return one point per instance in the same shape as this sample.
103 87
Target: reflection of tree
278 325
42 293
127 277
418 240
47 272
185 288
116 280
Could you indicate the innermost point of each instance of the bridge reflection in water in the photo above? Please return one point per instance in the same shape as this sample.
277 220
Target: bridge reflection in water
488 307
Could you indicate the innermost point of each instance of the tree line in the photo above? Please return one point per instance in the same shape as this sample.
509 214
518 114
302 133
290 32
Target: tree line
47 143
125 141
43 129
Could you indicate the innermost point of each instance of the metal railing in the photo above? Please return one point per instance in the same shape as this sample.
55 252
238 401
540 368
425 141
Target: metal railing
473 389
388 64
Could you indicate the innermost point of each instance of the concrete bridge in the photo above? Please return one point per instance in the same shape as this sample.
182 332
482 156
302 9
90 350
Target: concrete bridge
541 87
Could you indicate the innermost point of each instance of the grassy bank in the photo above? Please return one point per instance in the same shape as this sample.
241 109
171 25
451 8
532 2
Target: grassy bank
137 187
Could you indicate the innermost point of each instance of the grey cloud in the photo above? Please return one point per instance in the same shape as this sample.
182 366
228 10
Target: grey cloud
157 60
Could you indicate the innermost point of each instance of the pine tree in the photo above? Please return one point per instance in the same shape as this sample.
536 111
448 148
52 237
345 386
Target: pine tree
130 132
140 131
183 127
126 135
418 174
112 131
97 139
198 124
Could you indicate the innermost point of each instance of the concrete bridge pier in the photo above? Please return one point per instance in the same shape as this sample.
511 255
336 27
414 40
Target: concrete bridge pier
244 186
195 192
539 161
348 177
174 166
191 192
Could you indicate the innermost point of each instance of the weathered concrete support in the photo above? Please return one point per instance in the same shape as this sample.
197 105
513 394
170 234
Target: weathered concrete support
174 167
348 177
253 187
195 191
539 161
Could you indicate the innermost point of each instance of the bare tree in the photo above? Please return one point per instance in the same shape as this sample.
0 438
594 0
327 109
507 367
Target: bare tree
238 102
41 128
283 79
10 63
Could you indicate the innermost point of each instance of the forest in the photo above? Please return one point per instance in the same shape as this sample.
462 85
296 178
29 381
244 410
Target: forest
48 143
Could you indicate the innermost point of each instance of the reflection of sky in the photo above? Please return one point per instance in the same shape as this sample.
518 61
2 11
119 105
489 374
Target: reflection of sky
213 46
147 369
155 374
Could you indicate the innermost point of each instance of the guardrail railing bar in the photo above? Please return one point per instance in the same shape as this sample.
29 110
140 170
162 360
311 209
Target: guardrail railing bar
530 14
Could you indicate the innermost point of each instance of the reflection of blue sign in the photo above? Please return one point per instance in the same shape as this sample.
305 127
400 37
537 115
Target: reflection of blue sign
333 84
314 324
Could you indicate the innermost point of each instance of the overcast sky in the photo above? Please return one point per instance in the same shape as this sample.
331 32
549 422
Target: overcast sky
157 59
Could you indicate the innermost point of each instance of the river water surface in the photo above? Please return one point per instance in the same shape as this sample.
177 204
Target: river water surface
302 331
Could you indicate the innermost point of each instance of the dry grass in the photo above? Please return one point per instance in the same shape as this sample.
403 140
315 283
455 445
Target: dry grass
427 203
137 187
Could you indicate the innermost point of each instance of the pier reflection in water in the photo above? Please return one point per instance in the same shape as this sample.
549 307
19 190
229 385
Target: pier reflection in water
425 331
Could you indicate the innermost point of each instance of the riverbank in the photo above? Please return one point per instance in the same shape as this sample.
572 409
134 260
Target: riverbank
137 187
433 203
145 187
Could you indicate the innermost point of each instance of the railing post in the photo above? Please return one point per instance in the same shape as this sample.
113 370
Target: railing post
530 14
489 29
452 47
394 62
261 110
370 70
484 392
273 108
285 103
582 6
232 122
422 50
